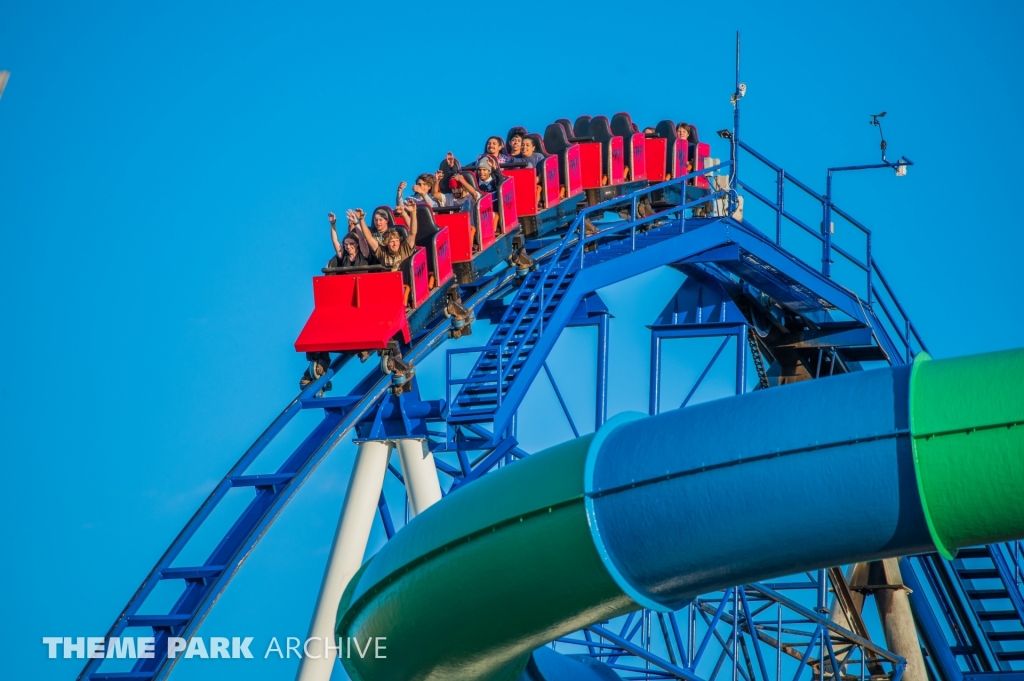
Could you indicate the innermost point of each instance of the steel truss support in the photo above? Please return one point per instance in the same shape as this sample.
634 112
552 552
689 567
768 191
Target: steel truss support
727 331
746 633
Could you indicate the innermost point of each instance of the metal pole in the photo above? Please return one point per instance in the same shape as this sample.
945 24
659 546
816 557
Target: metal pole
601 408
655 390
420 473
780 200
826 229
734 169
691 633
736 632
347 551
870 265
898 621
778 647
741 360
932 636
856 576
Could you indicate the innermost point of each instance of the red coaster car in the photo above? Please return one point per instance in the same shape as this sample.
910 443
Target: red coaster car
363 308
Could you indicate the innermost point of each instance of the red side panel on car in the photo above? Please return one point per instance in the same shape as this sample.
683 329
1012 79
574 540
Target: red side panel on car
551 183
509 216
657 159
617 162
354 312
638 169
443 249
485 208
574 184
703 151
526 189
458 228
420 277
590 165
682 153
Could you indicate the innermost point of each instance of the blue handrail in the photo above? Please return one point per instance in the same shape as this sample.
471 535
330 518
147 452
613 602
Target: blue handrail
909 335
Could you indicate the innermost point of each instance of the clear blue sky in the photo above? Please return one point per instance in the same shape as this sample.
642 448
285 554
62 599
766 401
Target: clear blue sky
165 171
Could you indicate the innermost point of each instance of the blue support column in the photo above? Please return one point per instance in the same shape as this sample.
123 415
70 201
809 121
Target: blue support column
601 406
655 391
741 361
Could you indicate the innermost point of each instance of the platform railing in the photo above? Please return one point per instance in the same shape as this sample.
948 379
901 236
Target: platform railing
894 319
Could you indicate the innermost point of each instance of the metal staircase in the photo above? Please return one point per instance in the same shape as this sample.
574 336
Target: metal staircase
990 578
970 611
519 332
513 340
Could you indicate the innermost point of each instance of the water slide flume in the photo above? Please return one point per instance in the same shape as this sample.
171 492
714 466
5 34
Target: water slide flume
652 511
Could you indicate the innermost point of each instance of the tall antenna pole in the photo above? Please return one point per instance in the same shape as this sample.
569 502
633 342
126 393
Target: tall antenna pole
734 146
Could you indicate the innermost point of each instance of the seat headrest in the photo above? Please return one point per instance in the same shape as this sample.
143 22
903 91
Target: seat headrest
600 130
471 178
694 137
426 228
622 124
538 142
581 128
387 211
567 126
666 129
555 138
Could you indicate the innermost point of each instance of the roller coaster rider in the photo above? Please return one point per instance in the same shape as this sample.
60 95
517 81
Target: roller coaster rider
515 141
449 168
494 150
359 256
394 250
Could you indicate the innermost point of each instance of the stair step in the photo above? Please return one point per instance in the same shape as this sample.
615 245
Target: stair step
506 355
475 416
492 353
1010 656
467 402
201 572
268 480
505 327
1005 635
992 615
528 315
974 552
986 594
487 382
157 620
987 573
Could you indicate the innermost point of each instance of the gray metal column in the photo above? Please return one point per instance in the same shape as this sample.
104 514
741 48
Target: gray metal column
894 611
